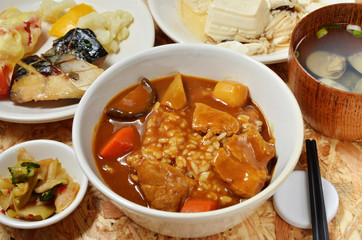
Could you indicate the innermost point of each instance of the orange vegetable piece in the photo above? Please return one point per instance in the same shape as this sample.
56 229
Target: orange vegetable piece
4 80
232 93
121 142
199 205
69 20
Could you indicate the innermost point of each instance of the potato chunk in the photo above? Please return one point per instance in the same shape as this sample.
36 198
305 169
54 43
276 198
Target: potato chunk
175 96
232 93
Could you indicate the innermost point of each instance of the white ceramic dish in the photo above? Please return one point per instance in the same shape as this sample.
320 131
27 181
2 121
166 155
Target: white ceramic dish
166 16
142 36
42 149
267 90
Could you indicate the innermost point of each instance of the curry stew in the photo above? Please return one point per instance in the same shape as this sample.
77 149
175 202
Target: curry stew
184 144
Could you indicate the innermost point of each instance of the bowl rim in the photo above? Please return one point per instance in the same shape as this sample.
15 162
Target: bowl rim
83 183
102 187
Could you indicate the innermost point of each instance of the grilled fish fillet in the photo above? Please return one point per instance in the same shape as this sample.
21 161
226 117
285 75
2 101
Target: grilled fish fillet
36 79
63 72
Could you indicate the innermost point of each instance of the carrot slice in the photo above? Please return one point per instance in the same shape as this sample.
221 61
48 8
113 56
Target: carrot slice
121 142
199 205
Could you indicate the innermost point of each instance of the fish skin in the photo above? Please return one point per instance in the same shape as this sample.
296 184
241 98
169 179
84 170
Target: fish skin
60 73
81 43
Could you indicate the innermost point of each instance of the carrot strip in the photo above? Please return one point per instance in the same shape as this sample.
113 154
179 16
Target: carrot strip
121 142
199 205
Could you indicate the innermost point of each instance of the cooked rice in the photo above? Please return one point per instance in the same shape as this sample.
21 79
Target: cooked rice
169 139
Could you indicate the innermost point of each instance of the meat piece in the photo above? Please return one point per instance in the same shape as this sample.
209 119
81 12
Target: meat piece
164 187
242 178
36 79
242 163
206 118
250 147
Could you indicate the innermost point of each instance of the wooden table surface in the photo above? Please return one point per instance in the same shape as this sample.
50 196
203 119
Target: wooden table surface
97 218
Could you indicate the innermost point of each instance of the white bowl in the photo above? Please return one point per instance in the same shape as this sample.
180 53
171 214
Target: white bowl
42 149
267 90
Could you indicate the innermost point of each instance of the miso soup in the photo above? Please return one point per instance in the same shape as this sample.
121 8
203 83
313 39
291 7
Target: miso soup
333 55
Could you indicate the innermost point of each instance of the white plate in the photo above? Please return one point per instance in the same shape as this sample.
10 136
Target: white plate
166 16
142 36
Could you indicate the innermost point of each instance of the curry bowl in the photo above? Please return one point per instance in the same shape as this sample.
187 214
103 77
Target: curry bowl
266 89
329 100
43 150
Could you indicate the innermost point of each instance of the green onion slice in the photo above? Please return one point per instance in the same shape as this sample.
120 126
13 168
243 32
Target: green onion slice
351 28
357 33
30 164
321 33
45 196
331 26
296 53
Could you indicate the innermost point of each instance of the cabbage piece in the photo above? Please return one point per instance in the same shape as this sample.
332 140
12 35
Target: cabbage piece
20 189
66 197
21 201
56 175
5 183
24 156
22 173
32 212
5 199
42 172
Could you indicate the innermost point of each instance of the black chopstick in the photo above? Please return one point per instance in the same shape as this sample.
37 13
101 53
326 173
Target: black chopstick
318 211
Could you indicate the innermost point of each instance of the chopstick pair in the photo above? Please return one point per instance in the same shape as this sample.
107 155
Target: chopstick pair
318 210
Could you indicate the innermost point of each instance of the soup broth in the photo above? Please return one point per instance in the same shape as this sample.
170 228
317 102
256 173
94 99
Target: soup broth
334 58
170 145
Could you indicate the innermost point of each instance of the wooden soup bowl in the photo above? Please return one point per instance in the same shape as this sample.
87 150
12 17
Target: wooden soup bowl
334 113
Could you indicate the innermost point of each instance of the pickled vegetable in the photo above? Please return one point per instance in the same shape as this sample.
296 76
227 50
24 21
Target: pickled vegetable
21 174
31 193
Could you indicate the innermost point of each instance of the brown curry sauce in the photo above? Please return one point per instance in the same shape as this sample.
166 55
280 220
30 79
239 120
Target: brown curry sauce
119 178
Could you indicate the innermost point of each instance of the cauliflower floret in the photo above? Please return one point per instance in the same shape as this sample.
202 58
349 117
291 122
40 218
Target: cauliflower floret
51 10
110 27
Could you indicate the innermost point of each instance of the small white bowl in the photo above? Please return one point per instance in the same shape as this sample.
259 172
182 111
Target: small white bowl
266 88
42 149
